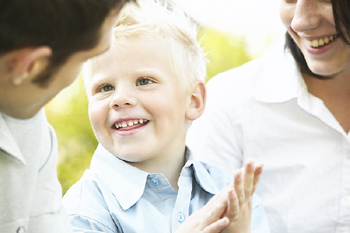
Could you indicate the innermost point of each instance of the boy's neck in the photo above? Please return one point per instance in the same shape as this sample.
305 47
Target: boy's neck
170 167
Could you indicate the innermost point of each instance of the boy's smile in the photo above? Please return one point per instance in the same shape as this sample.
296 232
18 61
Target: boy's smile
124 125
137 105
127 127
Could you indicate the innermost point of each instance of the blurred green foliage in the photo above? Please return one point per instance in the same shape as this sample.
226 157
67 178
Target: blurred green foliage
68 111
223 51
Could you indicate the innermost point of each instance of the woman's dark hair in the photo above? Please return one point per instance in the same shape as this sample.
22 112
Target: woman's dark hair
341 12
67 26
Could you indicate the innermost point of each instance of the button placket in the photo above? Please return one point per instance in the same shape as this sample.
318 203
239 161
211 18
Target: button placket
182 205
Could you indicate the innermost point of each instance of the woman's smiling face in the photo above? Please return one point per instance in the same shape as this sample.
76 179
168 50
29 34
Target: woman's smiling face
311 25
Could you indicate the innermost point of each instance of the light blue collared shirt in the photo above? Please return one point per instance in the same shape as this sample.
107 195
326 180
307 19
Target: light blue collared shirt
114 196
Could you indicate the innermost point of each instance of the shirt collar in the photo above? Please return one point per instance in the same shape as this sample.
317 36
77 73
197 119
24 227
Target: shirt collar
126 182
201 173
8 142
280 79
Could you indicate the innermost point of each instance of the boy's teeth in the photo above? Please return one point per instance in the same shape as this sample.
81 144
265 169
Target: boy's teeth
124 124
320 42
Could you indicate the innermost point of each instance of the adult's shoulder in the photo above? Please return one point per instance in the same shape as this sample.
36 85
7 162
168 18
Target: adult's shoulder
237 86
232 89
238 77
243 77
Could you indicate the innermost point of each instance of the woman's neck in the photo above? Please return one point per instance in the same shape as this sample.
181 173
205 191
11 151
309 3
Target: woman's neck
335 93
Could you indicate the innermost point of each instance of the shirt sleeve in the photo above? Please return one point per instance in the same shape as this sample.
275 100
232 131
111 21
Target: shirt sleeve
47 208
87 209
215 137
84 224
259 220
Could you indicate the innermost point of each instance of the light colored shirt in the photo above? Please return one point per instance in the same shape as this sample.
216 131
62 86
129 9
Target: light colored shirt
30 194
262 110
114 196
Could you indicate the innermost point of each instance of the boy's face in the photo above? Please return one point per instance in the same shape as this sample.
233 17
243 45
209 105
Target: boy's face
136 106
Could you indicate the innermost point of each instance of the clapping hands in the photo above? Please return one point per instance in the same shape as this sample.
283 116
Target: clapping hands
230 210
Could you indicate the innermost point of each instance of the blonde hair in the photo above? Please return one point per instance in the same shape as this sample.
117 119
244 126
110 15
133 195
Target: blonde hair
164 18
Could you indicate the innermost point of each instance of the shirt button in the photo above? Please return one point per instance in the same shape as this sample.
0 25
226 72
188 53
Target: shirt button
20 230
154 181
346 201
180 217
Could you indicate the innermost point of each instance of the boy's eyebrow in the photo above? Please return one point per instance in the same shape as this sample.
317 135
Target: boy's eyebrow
98 78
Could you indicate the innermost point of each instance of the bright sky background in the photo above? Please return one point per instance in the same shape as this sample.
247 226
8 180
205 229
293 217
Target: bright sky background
257 20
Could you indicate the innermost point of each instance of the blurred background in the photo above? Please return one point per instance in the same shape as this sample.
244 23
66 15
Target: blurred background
234 32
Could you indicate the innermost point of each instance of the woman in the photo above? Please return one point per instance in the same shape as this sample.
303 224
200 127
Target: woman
290 109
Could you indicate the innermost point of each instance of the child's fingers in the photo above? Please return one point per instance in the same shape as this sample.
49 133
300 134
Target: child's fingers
238 186
217 226
217 202
219 196
257 173
248 177
233 204
207 219
215 208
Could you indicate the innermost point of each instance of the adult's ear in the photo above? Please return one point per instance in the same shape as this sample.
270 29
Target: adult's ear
28 62
197 104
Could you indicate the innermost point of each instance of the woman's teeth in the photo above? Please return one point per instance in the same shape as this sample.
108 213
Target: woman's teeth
124 124
319 42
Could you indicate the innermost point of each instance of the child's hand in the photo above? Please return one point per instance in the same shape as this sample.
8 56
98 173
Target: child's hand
230 208
209 219
239 207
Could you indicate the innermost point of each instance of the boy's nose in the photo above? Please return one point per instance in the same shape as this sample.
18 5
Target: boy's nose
122 99
306 16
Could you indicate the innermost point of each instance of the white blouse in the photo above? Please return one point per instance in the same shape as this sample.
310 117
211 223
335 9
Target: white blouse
262 110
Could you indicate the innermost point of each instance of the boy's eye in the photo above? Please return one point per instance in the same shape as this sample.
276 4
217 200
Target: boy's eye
106 88
144 81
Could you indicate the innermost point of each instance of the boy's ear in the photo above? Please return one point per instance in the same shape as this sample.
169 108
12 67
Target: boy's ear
28 62
197 104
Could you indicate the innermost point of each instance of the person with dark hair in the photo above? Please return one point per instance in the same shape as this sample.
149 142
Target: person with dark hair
289 109
42 47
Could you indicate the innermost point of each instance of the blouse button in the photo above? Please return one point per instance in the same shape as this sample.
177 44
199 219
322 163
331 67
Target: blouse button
20 230
346 201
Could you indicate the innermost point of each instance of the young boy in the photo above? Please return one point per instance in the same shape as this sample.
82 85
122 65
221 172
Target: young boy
42 46
143 94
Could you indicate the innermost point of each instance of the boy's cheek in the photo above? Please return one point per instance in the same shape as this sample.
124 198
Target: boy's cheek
96 115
